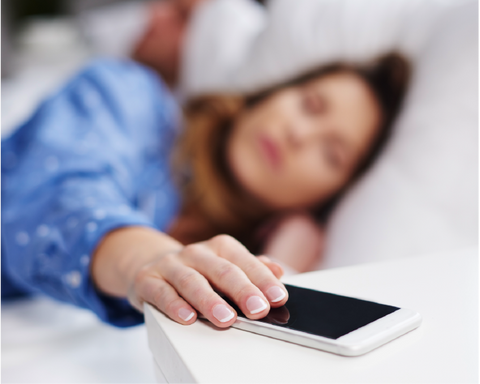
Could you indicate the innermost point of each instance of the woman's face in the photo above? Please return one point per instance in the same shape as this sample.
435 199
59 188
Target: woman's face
299 146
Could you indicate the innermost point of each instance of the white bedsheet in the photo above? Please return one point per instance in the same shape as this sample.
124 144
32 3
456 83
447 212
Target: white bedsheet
44 341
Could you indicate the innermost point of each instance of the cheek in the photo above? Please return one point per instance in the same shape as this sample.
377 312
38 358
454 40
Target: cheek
239 156
365 127
306 180
310 179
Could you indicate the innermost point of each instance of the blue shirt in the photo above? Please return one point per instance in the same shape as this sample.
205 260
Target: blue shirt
92 158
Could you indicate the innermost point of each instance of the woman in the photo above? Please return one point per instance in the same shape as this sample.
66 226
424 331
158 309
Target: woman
94 212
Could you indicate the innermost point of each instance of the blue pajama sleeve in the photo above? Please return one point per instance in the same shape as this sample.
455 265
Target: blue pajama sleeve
72 173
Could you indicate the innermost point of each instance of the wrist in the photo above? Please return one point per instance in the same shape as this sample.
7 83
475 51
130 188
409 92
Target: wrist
123 252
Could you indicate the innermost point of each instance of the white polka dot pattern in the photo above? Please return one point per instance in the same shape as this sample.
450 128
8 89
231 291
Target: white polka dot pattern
92 226
84 260
43 230
73 279
51 163
77 170
22 238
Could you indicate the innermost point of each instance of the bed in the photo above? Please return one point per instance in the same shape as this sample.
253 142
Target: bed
421 196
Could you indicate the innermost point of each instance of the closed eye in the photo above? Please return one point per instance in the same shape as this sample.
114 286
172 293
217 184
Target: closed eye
313 102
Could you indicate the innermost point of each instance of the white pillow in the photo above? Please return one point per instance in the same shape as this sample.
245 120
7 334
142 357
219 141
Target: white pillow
113 29
421 196
237 45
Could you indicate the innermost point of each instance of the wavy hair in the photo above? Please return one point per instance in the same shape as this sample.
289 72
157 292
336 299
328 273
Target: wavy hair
199 160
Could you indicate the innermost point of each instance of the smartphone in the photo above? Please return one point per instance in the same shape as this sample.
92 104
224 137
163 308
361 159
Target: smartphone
339 324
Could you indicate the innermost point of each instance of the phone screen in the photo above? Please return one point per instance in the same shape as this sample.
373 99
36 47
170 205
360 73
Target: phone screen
323 314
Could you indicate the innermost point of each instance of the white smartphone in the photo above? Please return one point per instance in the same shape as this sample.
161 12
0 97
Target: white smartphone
343 325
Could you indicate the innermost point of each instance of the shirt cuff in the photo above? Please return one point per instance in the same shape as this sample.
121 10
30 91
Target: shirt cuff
112 310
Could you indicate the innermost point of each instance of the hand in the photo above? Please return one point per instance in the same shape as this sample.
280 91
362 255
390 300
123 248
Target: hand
188 6
161 44
296 240
180 283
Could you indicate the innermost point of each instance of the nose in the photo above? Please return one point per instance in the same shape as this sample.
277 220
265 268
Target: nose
300 133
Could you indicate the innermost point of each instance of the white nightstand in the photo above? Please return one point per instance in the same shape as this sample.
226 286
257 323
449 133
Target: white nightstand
443 288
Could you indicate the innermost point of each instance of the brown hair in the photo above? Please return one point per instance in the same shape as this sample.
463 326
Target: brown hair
200 161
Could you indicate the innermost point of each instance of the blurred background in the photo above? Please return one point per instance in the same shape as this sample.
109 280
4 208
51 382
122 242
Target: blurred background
44 42
23 19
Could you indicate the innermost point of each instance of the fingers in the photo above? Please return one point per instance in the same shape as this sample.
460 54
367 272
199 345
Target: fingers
276 269
242 277
155 290
180 283
229 279
258 273
195 289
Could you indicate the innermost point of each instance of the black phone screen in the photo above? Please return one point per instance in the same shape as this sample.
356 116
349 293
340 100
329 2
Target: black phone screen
323 314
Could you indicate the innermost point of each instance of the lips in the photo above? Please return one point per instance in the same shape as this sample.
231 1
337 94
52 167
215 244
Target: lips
271 152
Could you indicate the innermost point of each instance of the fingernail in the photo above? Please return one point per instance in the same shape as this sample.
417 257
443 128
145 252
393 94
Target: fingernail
222 313
185 314
255 304
275 294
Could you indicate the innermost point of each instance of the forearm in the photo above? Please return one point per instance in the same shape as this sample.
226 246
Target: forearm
297 242
123 252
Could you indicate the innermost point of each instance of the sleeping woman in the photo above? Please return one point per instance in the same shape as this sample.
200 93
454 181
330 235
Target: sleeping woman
113 196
